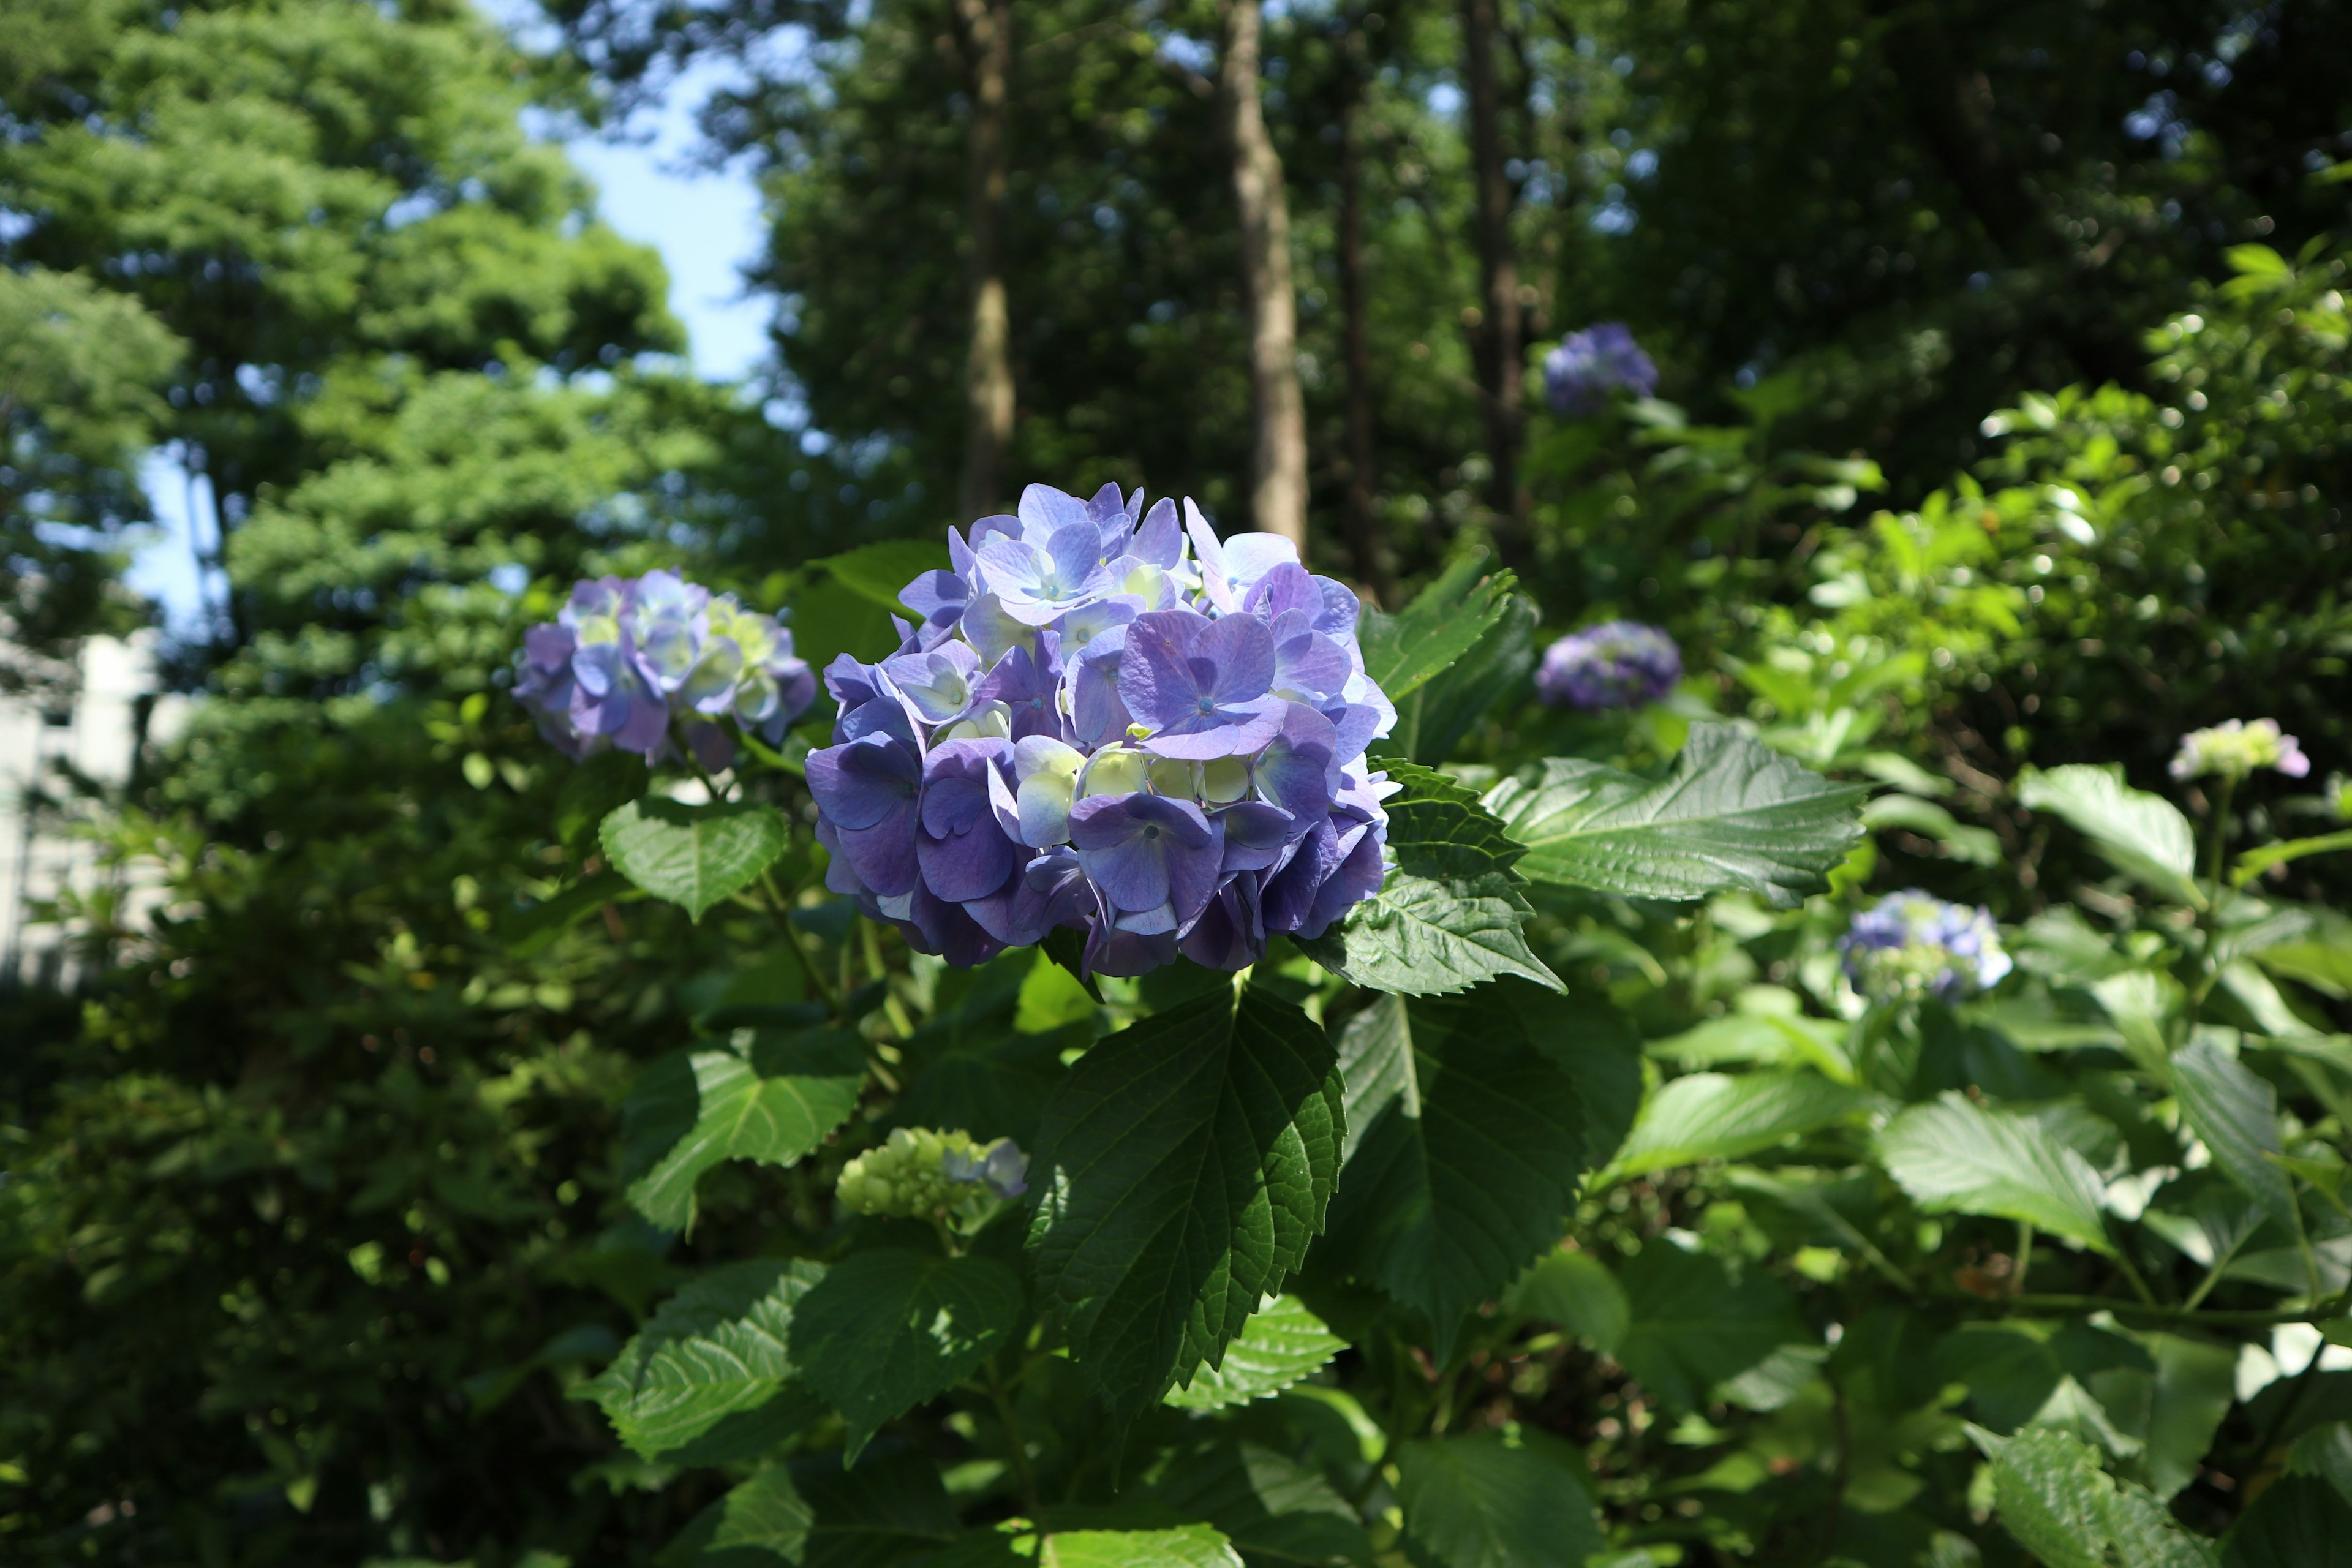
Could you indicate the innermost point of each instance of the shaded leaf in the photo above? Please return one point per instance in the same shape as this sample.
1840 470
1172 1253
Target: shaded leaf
1576 1291
1954 1156
693 856
1182 1167
1271 1506
2235 1112
1693 1326
879 573
1465 1147
1479 1501
1190 1546
1439 827
887 1329
1734 814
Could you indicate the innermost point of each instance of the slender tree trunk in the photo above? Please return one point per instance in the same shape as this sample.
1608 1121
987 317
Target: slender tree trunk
1279 460
1498 347
1366 547
987 28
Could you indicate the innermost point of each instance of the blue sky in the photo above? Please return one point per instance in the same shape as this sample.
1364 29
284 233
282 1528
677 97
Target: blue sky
706 226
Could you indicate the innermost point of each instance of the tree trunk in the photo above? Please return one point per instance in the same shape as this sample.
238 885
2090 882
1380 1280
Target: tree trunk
1497 345
1366 549
987 29
1278 459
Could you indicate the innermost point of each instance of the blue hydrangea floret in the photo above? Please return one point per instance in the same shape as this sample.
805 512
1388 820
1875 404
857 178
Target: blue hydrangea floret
1909 945
1586 367
1106 722
643 663
1618 664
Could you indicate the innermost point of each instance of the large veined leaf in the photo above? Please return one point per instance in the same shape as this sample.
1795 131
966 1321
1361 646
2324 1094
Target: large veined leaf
1690 1325
2300 1522
886 1330
1182 1167
716 1348
2236 1113
693 856
1480 1501
694 1109
1734 814
1424 936
813 1514
1274 1509
765 1515
1954 1156
1465 1143
2143 835
1721 1116
2049 1492
1281 1344
1444 621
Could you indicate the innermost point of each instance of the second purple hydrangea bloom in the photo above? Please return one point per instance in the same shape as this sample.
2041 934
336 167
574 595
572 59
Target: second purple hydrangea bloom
1587 366
1618 664
1107 721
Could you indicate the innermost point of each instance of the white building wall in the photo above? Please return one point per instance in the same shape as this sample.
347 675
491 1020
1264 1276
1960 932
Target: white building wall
92 726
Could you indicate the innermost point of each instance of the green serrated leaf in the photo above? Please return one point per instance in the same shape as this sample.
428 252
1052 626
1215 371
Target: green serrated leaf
1182 1167
887 1330
2235 1112
1439 829
1717 1116
1420 936
1480 1501
1282 1343
1443 622
1954 1156
713 1106
1690 1325
765 1514
716 1348
1735 815
1465 1143
2049 1492
1188 1546
1274 1509
693 856
2143 835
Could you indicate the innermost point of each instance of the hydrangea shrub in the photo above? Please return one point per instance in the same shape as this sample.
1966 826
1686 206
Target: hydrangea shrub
1618 664
1911 944
1585 368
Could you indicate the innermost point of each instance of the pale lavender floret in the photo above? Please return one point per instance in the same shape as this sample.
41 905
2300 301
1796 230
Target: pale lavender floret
1587 366
1002 1167
1103 720
1618 664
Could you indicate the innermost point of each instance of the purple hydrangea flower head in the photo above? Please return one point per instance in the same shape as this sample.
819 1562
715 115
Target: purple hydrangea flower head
1587 366
1107 721
2234 749
1908 944
1618 664
644 664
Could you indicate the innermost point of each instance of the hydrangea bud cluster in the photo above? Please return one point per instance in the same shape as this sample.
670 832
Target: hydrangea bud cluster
637 663
919 1174
1109 722
1618 664
1587 366
1908 944
2234 748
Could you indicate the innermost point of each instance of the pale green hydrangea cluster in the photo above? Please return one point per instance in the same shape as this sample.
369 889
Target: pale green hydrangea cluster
920 1172
2233 750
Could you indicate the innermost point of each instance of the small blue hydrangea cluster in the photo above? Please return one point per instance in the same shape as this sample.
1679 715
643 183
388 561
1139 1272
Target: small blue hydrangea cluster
1580 373
1618 664
1108 722
637 663
1909 945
